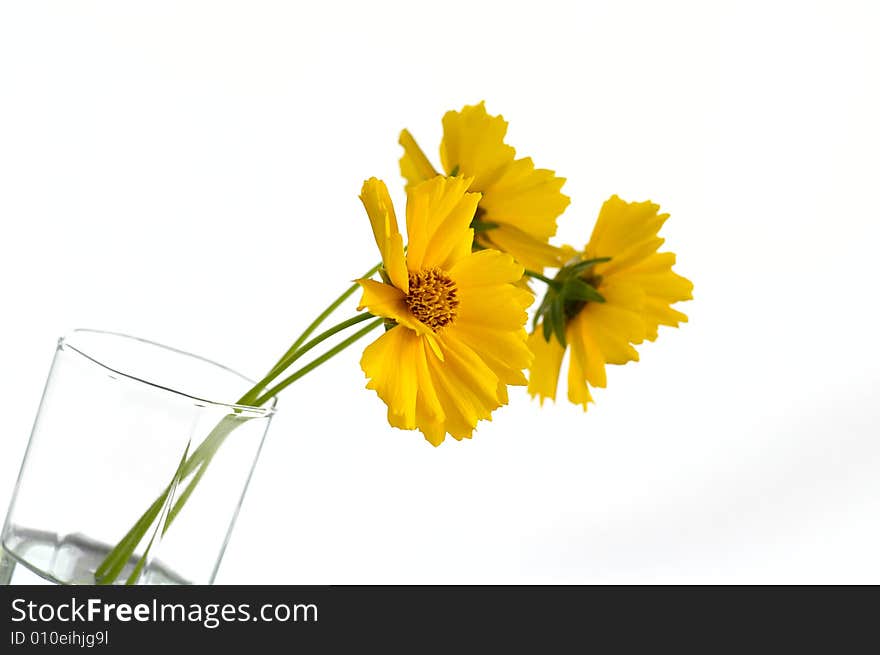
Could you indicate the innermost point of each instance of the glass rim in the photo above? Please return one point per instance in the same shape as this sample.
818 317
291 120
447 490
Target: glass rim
64 342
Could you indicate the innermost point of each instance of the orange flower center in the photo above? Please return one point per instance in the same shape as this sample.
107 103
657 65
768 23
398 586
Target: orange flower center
432 298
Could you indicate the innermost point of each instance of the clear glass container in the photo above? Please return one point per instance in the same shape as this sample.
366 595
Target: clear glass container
125 425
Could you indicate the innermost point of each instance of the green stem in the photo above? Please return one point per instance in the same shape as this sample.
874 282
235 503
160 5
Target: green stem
201 457
283 362
320 360
538 276
117 558
251 396
197 462
332 306
163 522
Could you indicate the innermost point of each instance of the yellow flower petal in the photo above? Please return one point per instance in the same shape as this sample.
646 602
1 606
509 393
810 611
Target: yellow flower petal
455 423
521 201
657 313
613 342
492 312
662 289
578 392
466 387
428 409
622 313
587 351
482 303
377 202
525 198
445 377
486 267
397 386
438 217
414 165
544 372
473 145
502 392
387 301
655 276
638 286
626 259
622 225
532 253
502 306
632 228
504 351
466 365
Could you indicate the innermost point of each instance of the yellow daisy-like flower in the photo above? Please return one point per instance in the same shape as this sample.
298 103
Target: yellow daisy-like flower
517 213
457 337
634 290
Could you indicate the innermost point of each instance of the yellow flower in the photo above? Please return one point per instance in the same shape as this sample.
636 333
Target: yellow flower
635 290
517 213
457 337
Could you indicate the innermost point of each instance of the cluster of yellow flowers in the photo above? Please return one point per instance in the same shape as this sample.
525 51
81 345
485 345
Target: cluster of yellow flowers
454 302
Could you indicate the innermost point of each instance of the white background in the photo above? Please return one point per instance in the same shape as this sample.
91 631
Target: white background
188 172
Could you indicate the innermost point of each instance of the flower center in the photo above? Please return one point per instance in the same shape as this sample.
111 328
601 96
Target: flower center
432 298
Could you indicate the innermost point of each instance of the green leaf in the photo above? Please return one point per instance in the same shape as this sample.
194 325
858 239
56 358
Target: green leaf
557 315
580 267
483 226
548 328
577 289
543 307
454 171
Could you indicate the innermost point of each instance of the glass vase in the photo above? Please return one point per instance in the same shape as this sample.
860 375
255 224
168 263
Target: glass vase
126 425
